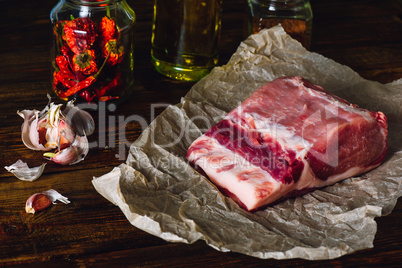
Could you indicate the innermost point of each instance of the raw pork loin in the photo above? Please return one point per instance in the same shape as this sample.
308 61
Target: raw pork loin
289 138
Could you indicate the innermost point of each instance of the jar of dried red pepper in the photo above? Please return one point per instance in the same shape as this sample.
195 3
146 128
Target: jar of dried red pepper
92 55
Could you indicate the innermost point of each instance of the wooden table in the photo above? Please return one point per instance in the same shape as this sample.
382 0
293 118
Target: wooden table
365 35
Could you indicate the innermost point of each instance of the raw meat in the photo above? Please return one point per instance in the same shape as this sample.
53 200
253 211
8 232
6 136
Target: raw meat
289 138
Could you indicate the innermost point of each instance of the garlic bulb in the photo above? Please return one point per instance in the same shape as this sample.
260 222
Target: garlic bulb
64 131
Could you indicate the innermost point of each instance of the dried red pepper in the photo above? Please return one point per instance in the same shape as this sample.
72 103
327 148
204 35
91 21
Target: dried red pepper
83 47
68 54
84 84
85 62
111 45
111 85
62 64
63 75
115 50
86 95
80 34
58 31
108 29
106 98
77 87
66 80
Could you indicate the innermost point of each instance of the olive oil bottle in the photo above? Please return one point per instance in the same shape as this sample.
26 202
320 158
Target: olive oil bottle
185 36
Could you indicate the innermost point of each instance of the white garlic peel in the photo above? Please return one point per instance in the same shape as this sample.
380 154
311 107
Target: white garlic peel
23 172
56 196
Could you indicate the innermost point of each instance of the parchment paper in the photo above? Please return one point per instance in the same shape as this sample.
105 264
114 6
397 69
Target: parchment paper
160 193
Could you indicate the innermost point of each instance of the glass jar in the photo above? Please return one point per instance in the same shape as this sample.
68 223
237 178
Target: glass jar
185 35
295 16
92 54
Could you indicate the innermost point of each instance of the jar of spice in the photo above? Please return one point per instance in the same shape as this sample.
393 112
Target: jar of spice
295 16
92 54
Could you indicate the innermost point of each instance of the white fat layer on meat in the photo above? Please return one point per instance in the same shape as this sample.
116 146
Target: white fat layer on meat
214 158
245 190
354 171
285 136
307 178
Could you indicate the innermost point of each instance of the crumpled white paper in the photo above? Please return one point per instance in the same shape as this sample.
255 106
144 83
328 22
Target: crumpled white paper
160 193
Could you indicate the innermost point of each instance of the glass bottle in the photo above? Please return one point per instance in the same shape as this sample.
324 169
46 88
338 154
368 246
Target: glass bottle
295 16
92 53
185 35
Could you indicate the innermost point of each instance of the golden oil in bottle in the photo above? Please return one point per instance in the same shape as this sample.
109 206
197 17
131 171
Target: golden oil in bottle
185 36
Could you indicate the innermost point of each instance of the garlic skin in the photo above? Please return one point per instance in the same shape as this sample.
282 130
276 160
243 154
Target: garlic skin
55 129
21 170
56 196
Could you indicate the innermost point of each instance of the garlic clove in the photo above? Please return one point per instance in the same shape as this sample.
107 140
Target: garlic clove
80 120
66 136
28 117
53 115
41 201
21 170
73 154
37 202
64 157
35 136
29 133
82 145
60 136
